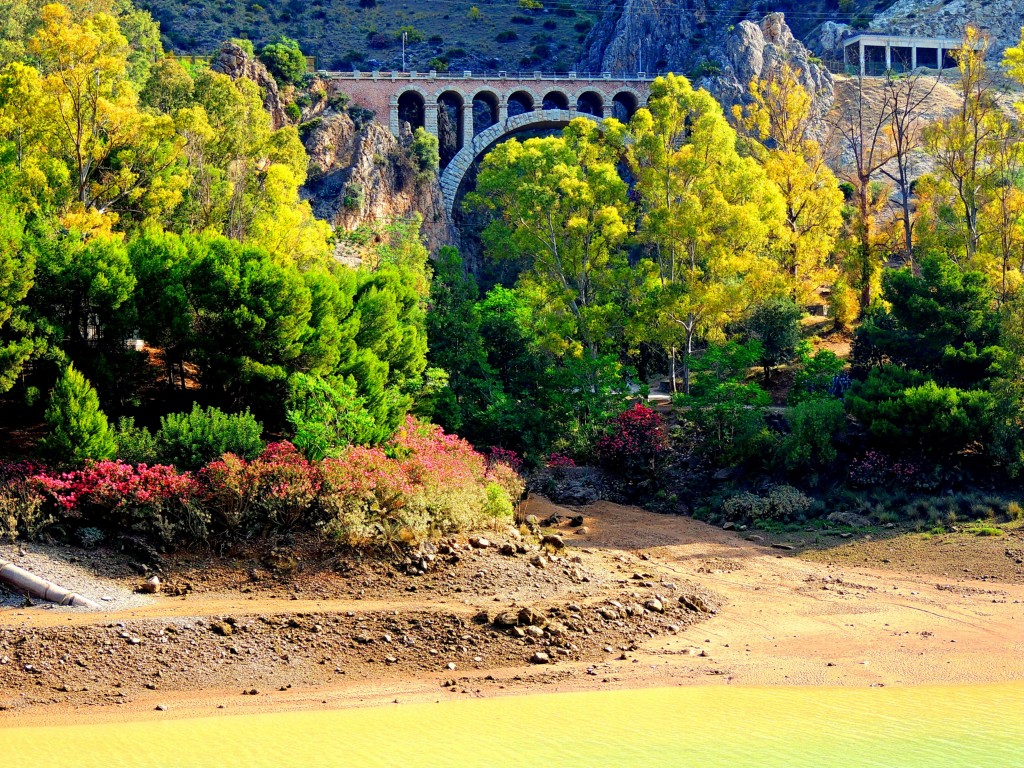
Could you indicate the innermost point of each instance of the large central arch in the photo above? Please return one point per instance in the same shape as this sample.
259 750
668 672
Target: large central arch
456 170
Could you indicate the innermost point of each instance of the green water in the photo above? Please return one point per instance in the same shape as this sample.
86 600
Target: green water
705 727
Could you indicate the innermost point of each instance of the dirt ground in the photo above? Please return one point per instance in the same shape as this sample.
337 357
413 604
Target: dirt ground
240 638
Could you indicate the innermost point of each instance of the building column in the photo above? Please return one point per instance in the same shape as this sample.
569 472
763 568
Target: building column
467 123
607 111
430 119
860 48
913 58
502 111
393 117
938 62
888 57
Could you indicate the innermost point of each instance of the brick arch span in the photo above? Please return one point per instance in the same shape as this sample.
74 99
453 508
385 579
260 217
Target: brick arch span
455 172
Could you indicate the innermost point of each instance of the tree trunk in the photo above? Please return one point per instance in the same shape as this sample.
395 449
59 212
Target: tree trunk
34 586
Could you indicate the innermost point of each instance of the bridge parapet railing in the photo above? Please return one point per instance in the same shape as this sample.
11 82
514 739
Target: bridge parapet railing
556 77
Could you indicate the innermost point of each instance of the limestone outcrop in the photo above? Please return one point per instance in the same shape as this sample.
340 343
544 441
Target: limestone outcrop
362 174
757 51
233 61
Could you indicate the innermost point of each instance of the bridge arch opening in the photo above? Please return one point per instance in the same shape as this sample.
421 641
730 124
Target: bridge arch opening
590 103
486 110
520 103
556 100
624 106
462 173
412 109
450 125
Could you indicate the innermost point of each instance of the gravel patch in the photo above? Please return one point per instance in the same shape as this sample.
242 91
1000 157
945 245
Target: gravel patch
44 562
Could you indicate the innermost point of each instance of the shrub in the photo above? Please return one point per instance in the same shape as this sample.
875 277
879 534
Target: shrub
338 102
293 112
814 426
135 445
559 461
412 34
775 324
743 506
508 36
190 440
816 376
729 412
784 502
284 60
902 409
437 64
153 501
636 441
21 512
354 196
425 153
842 305
326 416
78 429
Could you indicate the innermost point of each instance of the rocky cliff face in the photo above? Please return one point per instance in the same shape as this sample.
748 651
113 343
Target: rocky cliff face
234 62
703 42
756 51
359 175
1002 19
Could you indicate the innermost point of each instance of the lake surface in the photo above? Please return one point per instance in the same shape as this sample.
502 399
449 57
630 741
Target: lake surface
703 727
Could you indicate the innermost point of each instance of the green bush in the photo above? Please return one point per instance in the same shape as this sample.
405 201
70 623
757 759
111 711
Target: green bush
135 445
903 409
412 34
815 376
284 60
729 411
293 112
190 440
78 429
776 325
354 196
783 503
326 416
814 426
425 152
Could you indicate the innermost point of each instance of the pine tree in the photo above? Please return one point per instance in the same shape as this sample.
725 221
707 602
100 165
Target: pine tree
78 428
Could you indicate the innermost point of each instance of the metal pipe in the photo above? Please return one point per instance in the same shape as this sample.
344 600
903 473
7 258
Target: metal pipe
32 585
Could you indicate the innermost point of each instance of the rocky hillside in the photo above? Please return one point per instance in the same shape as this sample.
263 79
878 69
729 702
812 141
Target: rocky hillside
361 174
1002 19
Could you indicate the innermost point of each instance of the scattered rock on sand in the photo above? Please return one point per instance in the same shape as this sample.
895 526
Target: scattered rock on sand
540 658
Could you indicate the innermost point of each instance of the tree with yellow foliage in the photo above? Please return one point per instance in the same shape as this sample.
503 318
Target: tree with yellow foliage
778 121
710 217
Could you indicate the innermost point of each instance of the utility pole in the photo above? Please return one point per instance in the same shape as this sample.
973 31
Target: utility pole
404 36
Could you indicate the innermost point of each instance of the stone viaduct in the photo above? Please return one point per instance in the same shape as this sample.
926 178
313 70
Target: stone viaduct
470 113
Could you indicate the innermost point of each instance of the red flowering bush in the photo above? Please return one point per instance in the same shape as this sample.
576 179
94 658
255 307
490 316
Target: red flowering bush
504 456
423 483
276 490
635 442
156 501
560 461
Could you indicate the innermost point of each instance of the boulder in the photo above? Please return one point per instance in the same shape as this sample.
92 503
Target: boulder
697 604
531 617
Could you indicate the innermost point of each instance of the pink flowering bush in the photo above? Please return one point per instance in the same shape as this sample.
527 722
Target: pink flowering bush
875 468
635 442
559 461
156 501
423 483
274 491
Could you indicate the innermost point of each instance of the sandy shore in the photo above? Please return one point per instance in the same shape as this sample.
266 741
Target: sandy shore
782 620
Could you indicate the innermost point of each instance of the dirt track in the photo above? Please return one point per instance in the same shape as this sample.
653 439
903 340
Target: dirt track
783 620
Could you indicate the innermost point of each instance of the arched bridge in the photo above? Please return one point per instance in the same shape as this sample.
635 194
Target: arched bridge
470 114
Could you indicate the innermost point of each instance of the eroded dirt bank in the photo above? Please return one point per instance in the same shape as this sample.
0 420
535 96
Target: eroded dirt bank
365 634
